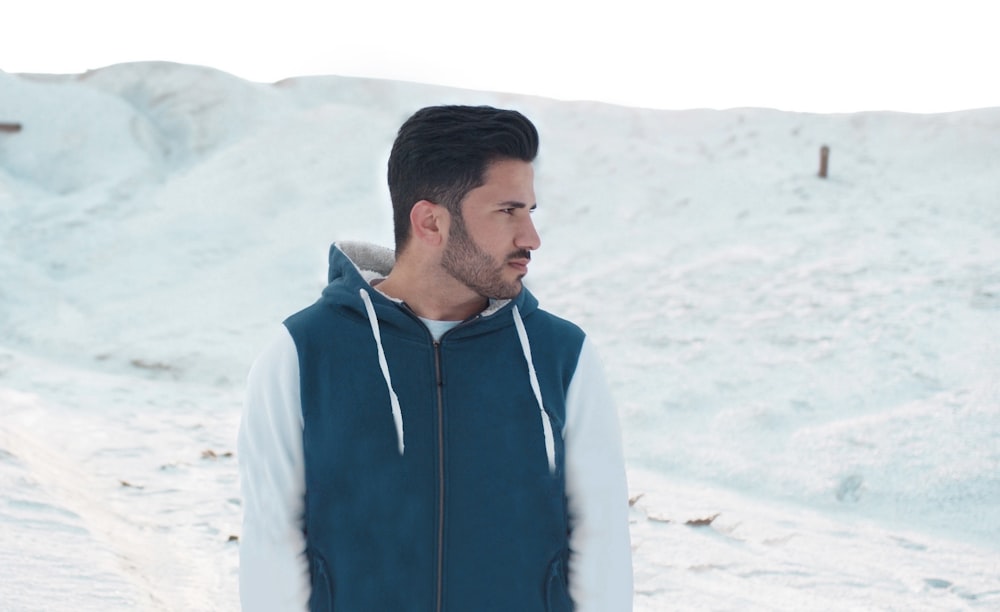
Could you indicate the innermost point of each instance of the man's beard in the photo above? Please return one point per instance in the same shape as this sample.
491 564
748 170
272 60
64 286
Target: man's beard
474 268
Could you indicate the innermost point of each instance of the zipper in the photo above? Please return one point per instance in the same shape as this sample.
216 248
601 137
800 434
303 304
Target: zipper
440 424
439 605
440 443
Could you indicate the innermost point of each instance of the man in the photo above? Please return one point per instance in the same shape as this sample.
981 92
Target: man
424 437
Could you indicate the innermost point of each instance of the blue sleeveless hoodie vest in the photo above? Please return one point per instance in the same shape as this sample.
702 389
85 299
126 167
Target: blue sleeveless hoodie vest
433 482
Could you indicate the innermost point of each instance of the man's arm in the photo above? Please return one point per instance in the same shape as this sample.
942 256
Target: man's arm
274 571
600 563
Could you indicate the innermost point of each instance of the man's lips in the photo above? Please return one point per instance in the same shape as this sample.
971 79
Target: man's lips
520 264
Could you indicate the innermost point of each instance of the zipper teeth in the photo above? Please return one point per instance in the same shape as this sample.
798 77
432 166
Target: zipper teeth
440 543
440 401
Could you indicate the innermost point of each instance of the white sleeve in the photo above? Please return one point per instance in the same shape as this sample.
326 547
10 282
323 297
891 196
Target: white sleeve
274 570
600 562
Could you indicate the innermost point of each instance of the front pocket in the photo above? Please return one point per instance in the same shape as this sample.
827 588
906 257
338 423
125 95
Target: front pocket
557 597
321 595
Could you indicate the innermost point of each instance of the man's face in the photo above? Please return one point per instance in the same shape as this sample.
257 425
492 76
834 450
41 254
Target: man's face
490 245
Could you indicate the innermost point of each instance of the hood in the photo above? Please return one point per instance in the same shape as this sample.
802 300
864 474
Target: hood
354 265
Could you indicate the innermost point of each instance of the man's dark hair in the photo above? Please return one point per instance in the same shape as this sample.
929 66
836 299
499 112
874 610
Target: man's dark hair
441 153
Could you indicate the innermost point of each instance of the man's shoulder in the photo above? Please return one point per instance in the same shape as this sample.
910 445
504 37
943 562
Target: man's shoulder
556 346
545 326
306 315
540 320
317 319
556 321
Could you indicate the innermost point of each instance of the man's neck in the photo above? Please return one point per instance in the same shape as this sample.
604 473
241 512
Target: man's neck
432 293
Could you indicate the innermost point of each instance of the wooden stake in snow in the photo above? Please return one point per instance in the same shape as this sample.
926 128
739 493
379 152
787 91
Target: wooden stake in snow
824 159
10 127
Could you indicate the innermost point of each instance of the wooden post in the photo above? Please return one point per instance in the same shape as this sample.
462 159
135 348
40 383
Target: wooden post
824 159
10 128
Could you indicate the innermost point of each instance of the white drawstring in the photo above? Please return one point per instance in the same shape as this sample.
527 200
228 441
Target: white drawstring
397 414
550 447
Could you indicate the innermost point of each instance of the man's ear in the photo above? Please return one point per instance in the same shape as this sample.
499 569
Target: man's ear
429 222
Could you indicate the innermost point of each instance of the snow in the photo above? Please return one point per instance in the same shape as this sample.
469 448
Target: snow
813 361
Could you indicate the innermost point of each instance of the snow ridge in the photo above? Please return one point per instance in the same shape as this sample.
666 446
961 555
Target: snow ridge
807 367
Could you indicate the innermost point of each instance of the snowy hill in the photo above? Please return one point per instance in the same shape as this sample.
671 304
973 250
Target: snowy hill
815 361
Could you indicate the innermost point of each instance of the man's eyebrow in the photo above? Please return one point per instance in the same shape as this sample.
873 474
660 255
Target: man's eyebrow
515 204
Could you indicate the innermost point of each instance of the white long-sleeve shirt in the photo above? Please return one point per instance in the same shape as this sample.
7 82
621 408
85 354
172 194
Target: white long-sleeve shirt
274 570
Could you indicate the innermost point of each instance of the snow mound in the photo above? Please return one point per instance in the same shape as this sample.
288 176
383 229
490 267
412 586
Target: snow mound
805 368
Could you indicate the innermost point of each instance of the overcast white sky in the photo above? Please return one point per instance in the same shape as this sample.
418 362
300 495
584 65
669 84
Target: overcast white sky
829 56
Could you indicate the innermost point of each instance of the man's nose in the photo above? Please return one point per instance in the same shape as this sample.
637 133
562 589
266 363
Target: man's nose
527 237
